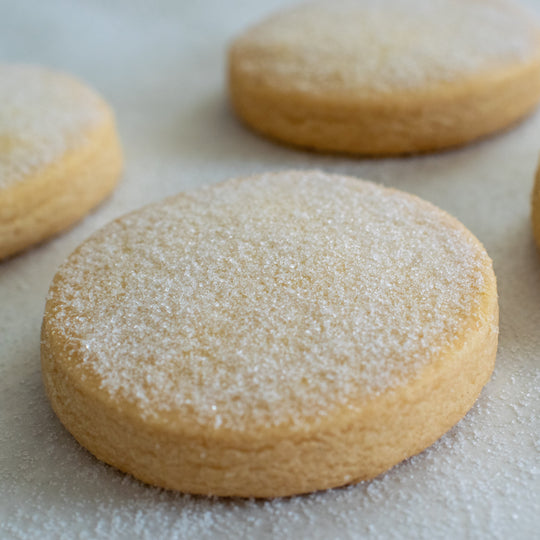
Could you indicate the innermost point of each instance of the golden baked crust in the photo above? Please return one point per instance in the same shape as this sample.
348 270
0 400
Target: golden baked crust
383 78
536 207
270 336
59 154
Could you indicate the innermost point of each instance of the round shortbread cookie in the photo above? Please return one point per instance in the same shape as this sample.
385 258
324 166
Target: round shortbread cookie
536 207
387 77
59 154
269 336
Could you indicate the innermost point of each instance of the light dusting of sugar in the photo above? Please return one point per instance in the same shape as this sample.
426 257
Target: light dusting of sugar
477 481
387 45
268 300
43 114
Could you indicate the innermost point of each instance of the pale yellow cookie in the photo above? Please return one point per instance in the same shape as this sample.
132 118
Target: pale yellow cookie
387 76
536 207
59 154
270 336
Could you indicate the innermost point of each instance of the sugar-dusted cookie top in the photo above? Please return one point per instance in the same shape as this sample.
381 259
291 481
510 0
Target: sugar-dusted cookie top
43 114
387 45
266 300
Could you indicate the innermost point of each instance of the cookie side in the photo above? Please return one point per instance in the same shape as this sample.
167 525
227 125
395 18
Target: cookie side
401 123
535 211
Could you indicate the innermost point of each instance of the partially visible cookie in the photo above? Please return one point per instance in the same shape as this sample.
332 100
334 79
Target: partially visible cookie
387 77
59 154
536 207
270 336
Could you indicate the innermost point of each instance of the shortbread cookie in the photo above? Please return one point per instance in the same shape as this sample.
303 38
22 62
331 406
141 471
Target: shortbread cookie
270 336
536 207
59 154
387 76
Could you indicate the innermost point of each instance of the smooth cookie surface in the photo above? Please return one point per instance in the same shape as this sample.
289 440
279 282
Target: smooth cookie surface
59 154
271 335
387 77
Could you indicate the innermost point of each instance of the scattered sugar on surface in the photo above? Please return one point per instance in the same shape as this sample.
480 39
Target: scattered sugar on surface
43 114
471 483
388 44
267 300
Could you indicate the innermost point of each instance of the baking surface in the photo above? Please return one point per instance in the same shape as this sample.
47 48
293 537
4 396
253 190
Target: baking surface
161 66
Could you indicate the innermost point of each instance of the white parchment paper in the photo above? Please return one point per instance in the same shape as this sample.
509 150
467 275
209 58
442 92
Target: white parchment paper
161 66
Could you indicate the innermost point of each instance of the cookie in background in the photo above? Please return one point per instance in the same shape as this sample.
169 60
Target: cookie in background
59 154
536 207
387 77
